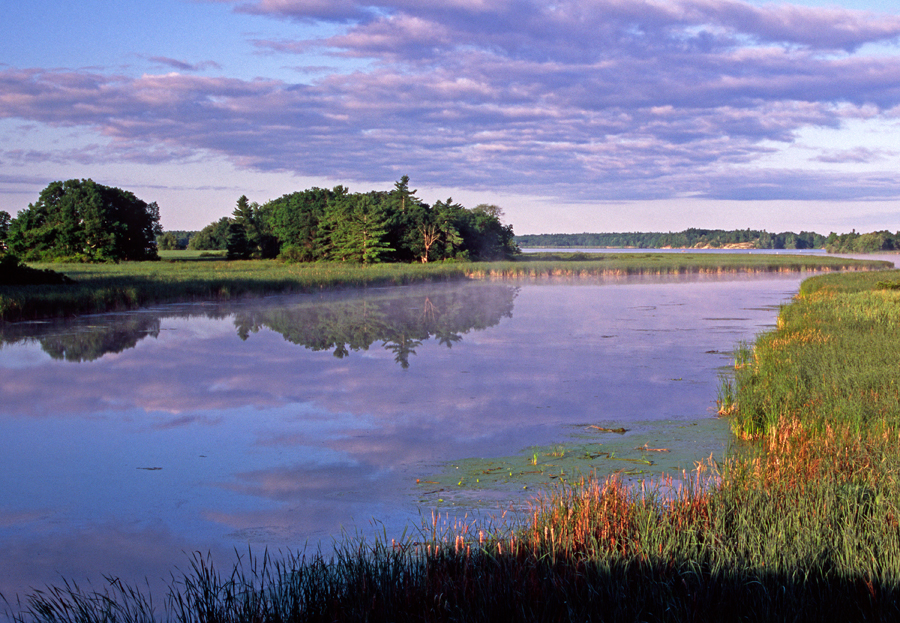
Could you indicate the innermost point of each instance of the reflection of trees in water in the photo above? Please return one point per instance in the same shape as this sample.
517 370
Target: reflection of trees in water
401 323
84 339
401 319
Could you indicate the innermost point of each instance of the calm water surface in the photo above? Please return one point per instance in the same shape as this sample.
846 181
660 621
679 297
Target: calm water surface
131 440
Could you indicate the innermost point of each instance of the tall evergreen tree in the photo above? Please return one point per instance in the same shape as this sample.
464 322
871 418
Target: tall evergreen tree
238 248
358 225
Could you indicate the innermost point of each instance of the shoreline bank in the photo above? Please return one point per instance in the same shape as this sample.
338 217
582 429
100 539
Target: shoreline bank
99 288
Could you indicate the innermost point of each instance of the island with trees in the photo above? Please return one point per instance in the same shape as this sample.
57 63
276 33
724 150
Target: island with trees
376 226
87 248
80 220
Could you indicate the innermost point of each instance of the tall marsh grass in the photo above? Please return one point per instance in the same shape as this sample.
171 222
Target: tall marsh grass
833 361
801 523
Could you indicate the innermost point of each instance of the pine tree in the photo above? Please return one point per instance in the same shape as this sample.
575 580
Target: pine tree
238 247
358 226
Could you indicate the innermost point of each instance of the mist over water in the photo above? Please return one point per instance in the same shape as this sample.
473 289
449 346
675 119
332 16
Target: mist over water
134 439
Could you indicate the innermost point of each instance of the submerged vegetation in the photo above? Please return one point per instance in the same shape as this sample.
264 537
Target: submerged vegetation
802 524
107 287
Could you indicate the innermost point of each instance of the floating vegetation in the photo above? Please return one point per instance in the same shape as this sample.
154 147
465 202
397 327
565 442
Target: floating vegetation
591 451
620 431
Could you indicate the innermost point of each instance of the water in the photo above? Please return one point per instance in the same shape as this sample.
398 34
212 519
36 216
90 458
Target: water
133 439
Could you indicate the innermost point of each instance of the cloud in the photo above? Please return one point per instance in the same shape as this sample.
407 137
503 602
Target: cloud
184 66
510 24
856 155
578 99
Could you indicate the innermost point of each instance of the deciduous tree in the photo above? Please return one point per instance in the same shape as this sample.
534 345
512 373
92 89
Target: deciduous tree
83 220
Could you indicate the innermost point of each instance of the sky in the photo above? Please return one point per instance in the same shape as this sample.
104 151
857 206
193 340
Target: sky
571 115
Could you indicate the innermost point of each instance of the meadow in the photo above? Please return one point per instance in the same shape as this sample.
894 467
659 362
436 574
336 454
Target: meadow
801 522
187 276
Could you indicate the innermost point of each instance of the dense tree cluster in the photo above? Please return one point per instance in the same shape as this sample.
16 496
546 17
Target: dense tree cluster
212 237
85 221
378 226
863 243
174 240
5 220
689 238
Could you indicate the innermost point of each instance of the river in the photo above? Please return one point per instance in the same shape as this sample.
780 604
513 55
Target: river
132 439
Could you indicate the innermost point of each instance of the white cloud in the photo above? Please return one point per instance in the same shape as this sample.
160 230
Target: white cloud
579 100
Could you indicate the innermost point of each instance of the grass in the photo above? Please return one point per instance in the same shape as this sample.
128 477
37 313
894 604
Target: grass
186 276
801 524
833 361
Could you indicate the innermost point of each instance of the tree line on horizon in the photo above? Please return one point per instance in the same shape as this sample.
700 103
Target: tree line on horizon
695 238
80 220
854 242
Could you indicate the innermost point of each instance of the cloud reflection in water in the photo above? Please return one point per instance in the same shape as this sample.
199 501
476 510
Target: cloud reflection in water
287 419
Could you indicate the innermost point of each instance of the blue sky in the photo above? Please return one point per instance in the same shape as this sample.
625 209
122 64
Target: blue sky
572 115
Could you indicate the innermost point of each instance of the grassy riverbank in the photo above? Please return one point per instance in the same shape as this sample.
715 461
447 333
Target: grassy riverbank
184 277
802 524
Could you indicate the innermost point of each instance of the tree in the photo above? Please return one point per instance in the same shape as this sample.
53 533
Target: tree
409 226
83 220
213 237
238 248
5 220
485 237
261 240
378 226
430 234
243 212
357 226
445 218
295 221
167 242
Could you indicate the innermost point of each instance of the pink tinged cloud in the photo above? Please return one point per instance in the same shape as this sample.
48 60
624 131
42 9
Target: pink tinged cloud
504 93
